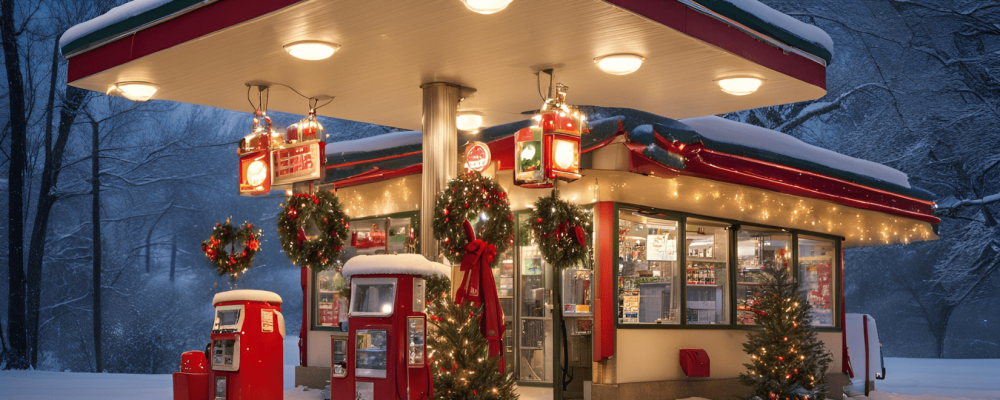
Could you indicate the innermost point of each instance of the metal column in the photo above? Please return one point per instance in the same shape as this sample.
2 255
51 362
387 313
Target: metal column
440 155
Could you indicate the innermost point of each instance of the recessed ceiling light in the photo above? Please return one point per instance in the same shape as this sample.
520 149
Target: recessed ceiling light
740 86
619 64
311 50
134 90
469 120
486 6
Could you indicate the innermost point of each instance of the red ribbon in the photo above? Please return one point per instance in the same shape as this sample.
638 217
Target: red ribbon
479 288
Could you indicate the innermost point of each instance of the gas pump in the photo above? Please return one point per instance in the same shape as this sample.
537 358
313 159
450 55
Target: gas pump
383 355
246 351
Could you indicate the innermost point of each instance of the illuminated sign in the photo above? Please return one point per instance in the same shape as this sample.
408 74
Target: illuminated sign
477 157
255 174
303 162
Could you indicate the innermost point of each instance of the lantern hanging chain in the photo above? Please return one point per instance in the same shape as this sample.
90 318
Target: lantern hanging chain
313 101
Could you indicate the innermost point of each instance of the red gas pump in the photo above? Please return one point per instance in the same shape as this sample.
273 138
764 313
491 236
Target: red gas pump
387 325
246 356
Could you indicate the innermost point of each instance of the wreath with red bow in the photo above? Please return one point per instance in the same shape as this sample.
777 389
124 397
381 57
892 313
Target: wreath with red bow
482 202
562 231
222 248
312 229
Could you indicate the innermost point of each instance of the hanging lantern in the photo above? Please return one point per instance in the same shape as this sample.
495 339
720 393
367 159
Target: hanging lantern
305 130
550 150
255 157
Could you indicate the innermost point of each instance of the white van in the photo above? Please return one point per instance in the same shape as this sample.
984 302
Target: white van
864 352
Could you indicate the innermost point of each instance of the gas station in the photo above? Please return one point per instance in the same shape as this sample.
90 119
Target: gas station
686 207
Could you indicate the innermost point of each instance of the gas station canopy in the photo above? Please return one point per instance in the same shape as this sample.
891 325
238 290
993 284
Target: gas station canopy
205 52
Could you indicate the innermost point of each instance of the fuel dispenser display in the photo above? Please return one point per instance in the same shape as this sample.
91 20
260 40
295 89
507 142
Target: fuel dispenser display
246 351
387 330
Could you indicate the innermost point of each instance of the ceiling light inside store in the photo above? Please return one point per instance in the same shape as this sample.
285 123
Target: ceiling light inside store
311 50
469 120
619 64
135 91
486 6
740 86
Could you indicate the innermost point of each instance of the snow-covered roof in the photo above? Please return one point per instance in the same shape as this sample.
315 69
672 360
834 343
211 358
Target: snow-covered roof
728 131
373 143
246 295
132 9
765 20
414 264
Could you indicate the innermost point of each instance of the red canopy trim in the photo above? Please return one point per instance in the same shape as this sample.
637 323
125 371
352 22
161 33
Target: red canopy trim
377 174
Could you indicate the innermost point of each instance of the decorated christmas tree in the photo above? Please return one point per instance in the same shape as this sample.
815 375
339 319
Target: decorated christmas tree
457 352
787 359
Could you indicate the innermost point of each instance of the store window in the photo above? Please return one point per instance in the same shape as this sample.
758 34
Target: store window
757 248
535 309
706 282
365 237
648 269
817 259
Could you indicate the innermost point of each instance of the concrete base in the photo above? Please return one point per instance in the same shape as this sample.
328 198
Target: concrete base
714 389
312 377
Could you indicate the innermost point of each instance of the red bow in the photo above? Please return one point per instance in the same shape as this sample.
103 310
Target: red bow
479 288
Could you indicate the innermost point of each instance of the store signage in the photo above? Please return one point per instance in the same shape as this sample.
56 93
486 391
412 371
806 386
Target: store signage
659 246
477 157
255 173
630 308
302 162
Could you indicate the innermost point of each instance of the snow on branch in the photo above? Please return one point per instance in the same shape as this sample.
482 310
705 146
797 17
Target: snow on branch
823 107
951 202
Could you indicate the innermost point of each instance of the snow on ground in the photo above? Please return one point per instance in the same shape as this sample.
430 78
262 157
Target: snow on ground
906 379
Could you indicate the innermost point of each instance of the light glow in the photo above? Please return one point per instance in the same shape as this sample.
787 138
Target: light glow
619 64
469 120
135 90
311 50
486 6
740 86
565 154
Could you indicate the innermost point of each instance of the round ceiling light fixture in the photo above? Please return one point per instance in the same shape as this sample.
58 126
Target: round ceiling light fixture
311 50
486 6
469 120
740 86
134 90
619 64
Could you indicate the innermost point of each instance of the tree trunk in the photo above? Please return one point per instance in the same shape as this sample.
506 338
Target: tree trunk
46 199
173 258
96 215
15 211
149 239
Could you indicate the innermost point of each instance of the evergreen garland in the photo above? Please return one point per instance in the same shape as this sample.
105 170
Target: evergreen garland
226 236
482 202
324 213
457 353
562 231
788 360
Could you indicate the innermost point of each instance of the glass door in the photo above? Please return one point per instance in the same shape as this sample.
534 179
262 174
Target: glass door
534 325
503 274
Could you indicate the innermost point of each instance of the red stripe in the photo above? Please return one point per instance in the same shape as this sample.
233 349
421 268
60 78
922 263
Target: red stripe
845 366
373 160
211 18
864 319
712 31
745 171
378 175
605 302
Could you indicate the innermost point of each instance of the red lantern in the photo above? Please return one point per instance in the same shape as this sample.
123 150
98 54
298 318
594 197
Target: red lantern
255 157
551 149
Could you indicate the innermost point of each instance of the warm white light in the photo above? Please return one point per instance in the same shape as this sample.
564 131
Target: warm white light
741 86
135 91
619 64
469 120
565 154
311 50
386 308
486 6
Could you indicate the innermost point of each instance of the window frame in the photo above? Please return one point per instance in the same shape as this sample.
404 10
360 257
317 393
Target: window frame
735 226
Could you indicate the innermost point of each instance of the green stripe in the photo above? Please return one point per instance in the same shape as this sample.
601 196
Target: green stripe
754 22
129 24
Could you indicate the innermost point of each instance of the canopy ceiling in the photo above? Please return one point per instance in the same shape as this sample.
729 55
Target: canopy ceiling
390 47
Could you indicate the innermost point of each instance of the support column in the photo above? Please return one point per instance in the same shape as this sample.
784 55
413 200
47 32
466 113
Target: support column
440 155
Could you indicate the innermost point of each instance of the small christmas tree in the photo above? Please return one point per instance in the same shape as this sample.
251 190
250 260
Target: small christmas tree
788 361
457 352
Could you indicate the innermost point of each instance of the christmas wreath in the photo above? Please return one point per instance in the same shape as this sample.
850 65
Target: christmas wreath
482 202
562 231
312 229
226 236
